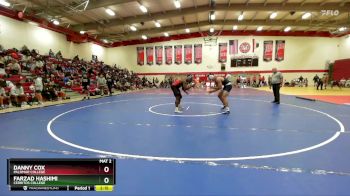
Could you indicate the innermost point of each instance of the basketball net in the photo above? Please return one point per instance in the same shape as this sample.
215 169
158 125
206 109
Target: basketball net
211 40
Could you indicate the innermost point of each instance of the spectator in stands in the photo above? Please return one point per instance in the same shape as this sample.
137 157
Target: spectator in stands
90 71
3 96
301 81
25 50
34 53
76 58
2 65
60 93
14 67
254 81
347 83
335 83
68 80
315 79
17 95
260 80
342 82
49 92
59 55
306 81
38 84
101 84
59 68
51 54
9 84
27 63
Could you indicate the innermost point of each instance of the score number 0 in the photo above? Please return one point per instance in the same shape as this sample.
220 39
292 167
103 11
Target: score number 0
106 170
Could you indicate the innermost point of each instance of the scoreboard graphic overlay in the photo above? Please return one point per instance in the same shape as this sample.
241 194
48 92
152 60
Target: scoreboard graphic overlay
61 174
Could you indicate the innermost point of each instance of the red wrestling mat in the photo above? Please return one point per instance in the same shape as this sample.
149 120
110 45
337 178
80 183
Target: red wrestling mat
330 99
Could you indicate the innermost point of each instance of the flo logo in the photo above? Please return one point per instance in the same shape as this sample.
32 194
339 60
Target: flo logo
329 12
244 47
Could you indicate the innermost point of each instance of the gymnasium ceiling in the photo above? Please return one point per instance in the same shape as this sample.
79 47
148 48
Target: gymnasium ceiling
91 16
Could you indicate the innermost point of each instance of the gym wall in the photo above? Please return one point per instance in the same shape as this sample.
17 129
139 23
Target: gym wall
15 34
301 53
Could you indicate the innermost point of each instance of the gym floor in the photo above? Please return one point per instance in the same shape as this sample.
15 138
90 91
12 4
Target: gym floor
297 147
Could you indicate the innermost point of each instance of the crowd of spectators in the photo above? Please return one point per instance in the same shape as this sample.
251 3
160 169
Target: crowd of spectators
51 75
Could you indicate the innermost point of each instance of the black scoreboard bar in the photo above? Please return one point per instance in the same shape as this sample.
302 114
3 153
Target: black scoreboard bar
61 174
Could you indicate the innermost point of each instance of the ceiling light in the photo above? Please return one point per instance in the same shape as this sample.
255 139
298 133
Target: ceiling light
5 3
143 9
287 29
144 37
133 28
342 29
110 12
157 24
56 22
273 15
187 30
240 17
235 27
306 15
212 16
82 32
166 34
211 30
177 4
259 28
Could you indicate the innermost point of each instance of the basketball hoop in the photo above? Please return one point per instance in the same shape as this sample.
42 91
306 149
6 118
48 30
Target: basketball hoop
210 41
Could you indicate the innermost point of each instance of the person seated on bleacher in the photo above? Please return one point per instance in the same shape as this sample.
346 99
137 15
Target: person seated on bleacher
14 67
9 84
3 96
2 68
347 83
59 68
60 93
342 82
34 53
39 63
335 83
49 92
17 95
